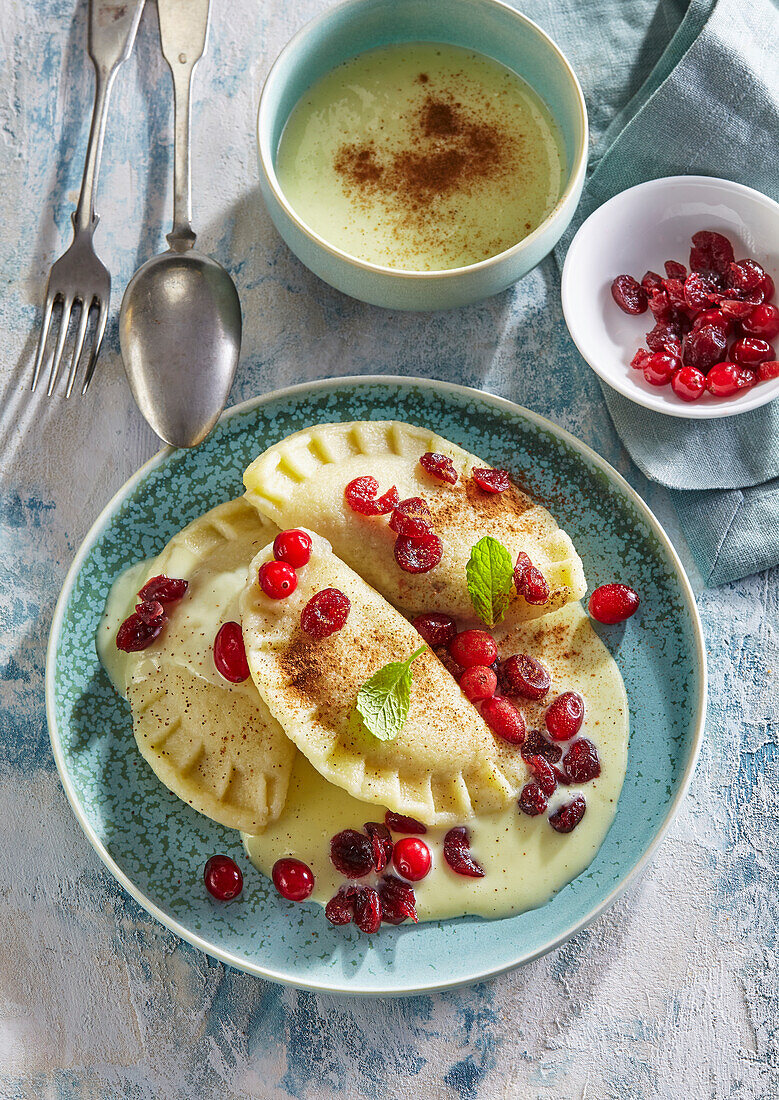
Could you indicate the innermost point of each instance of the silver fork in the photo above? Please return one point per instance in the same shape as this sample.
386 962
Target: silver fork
78 278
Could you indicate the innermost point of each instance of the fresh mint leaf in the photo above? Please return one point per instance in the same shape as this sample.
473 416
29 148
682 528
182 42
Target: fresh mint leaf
383 701
489 574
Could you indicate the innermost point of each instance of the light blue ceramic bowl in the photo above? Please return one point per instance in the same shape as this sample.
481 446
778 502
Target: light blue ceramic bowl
156 846
487 26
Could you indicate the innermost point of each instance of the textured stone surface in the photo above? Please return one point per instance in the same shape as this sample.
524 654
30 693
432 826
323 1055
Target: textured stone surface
673 992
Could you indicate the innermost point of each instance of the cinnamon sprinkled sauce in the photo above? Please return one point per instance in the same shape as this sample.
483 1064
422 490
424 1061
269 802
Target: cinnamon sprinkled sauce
421 156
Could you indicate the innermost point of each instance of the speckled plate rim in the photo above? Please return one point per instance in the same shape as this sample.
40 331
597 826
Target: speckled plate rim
445 388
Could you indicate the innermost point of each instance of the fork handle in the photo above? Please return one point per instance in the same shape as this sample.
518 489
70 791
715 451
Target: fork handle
113 25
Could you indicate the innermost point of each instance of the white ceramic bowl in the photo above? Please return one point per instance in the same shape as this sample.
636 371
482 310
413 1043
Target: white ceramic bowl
636 231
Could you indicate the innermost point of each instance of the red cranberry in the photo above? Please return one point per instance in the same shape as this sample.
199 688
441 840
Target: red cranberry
340 909
532 800
457 853
703 347
688 383
568 817
565 715
478 683
543 773
675 270
367 909
745 277
381 843
351 853
399 823
629 295
412 518
397 901
293 879
713 317
418 555
150 611
411 858
361 496
767 371
165 589
763 322
439 466
473 647
613 603
293 547
535 744
325 613
768 287
134 634
710 252
640 358
659 368
223 878
436 629
529 581
230 653
751 351
581 761
725 379
504 719
277 579
524 675
491 481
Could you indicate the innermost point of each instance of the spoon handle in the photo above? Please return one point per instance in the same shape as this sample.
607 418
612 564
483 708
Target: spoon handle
183 32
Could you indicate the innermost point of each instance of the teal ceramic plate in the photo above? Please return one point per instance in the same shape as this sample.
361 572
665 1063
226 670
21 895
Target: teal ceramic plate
156 846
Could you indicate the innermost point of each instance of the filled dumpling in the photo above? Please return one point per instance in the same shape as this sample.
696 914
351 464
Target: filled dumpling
304 478
442 765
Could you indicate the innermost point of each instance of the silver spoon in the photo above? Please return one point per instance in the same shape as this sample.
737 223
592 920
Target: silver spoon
180 321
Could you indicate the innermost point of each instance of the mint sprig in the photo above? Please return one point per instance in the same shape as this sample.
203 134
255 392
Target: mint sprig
489 575
384 700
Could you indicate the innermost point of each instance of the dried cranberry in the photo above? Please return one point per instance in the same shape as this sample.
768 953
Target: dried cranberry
504 719
381 843
750 351
491 481
134 634
568 817
739 310
293 879
713 317
664 337
542 772
411 858
399 823
703 347
230 653
532 800
435 628
412 518
699 292
710 252
478 683
223 878
367 909
524 675
529 581
535 744
674 288
745 277
652 280
473 647
293 547
150 610
613 603
340 909
440 466
638 360
418 555
660 304
725 379
165 589
277 579
361 496
581 761
675 270
565 715
325 613
457 853
397 901
767 371
351 853
659 368
688 383
762 321
629 295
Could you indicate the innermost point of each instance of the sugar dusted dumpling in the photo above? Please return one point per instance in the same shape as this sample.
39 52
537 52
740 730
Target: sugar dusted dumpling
443 766
212 742
302 479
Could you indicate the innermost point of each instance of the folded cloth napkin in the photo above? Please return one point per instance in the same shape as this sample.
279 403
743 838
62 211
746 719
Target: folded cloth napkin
709 107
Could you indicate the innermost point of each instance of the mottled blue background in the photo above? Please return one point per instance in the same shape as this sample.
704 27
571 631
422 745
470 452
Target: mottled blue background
673 992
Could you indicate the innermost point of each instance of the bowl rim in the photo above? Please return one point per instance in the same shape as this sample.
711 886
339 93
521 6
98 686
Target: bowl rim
570 192
501 404
746 402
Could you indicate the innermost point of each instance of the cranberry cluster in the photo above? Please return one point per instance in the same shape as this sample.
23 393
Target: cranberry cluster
291 551
150 616
696 315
